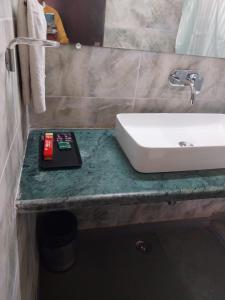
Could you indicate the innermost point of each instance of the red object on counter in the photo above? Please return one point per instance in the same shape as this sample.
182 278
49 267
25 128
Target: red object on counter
48 146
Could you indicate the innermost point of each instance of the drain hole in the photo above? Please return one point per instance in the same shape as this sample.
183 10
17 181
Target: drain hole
185 144
143 247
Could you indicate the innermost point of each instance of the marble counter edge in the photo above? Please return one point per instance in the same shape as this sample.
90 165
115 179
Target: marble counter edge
49 204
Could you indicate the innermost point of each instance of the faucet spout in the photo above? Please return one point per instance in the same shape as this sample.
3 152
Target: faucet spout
193 94
191 81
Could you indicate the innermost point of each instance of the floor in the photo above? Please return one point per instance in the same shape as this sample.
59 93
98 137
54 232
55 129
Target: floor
183 262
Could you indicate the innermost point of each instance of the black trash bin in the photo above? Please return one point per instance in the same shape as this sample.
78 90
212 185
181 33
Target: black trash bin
57 235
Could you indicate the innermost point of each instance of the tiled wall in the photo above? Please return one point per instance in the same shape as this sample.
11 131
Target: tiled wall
88 88
13 133
28 256
143 24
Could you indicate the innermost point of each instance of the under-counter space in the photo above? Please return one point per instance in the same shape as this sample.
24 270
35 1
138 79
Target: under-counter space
183 261
107 178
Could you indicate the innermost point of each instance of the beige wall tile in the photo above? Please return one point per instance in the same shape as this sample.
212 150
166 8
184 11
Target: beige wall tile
116 75
68 112
91 72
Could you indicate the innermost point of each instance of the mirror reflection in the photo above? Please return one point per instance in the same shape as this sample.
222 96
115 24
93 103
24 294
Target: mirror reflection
202 28
75 21
193 27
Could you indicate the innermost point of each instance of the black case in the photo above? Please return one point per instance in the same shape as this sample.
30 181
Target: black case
61 159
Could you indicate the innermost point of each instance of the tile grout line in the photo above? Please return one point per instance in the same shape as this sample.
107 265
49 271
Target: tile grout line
87 97
115 98
137 80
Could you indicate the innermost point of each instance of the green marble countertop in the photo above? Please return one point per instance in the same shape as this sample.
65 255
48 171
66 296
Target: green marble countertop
107 178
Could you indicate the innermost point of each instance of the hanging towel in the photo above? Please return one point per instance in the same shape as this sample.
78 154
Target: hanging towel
31 23
22 30
202 28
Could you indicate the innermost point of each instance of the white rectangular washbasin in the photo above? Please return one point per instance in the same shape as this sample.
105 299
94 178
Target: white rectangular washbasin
172 142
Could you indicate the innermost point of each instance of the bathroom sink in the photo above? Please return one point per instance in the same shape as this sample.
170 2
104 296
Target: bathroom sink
172 142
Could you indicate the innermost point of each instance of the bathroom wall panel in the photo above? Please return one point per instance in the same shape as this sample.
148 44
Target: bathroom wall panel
81 112
167 106
9 256
5 11
91 72
7 112
13 134
77 80
155 68
28 256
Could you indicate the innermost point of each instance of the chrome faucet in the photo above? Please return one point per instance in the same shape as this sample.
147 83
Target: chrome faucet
187 78
10 51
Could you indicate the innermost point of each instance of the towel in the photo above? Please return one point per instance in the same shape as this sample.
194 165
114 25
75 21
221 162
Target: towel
31 23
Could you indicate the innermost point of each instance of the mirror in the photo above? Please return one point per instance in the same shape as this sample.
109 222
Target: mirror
76 21
193 27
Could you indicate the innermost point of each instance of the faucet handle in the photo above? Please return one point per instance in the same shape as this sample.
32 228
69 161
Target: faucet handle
174 78
192 76
195 79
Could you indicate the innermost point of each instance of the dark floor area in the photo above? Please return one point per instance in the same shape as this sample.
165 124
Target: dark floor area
186 263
